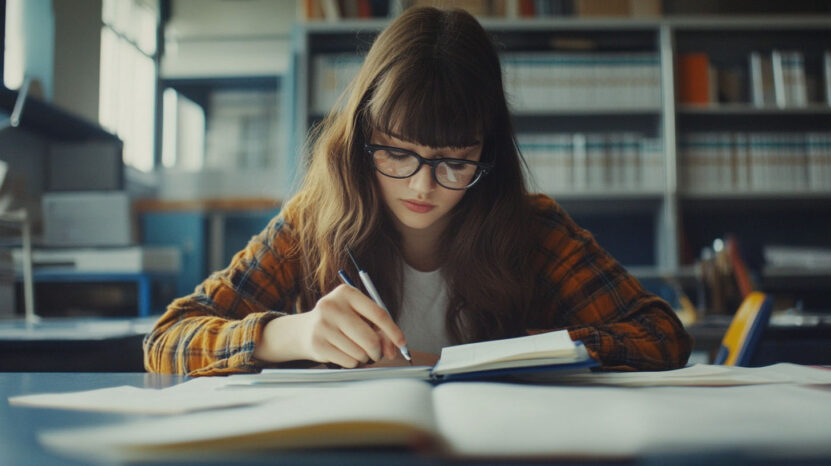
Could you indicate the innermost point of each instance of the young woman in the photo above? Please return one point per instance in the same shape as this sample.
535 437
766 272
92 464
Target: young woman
416 170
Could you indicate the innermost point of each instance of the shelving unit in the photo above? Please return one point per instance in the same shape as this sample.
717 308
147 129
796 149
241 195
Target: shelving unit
674 222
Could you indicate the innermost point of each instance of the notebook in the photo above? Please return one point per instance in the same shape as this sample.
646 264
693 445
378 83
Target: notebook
506 358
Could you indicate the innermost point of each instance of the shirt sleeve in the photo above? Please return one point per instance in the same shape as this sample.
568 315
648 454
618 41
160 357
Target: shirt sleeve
215 330
590 294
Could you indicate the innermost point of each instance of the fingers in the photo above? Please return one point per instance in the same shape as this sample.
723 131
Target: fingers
367 308
341 334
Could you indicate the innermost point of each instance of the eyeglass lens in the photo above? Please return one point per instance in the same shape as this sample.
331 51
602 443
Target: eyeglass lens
453 175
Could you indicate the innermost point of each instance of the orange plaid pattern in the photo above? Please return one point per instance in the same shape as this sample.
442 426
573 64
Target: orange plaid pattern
215 330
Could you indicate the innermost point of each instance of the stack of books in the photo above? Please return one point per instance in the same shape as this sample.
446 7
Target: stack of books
594 162
756 162
549 81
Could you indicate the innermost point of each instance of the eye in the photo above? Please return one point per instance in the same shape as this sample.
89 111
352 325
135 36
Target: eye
458 166
397 155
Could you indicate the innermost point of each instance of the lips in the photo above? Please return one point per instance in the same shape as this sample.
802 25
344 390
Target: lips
418 207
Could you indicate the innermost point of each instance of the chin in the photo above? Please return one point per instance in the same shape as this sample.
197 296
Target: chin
417 222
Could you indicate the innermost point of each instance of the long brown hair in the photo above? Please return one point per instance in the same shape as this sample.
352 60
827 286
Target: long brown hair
432 77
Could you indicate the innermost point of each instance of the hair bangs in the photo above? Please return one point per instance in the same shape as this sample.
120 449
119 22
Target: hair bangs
432 107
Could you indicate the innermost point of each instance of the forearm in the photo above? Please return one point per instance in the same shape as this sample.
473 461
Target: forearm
646 336
651 341
197 343
280 341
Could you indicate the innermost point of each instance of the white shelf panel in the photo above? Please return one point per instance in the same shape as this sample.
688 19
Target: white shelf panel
621 111
749 110
696 22
754 195
606 195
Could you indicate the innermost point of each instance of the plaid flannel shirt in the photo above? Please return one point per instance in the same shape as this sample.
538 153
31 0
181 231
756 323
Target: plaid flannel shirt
215 330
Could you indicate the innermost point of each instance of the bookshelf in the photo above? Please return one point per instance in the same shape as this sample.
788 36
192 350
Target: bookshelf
657 208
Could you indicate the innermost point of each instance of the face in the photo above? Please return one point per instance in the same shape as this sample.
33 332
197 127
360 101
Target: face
418 203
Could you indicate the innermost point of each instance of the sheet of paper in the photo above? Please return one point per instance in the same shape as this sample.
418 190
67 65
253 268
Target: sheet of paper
287 376
706 375
197 394
473 355
387 403
784 420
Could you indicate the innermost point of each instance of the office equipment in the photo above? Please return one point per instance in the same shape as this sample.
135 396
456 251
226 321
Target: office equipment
65 279
85 166
745 330
89 218
88 260
484 420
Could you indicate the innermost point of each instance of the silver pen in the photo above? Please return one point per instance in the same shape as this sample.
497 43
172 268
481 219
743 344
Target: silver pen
373 293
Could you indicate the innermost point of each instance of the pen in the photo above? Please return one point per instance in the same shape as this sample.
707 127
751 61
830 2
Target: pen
373 293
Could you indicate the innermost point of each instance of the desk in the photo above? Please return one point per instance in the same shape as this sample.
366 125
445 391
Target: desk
74 344
20 426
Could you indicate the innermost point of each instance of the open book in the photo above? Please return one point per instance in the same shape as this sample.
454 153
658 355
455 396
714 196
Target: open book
510 357
479 419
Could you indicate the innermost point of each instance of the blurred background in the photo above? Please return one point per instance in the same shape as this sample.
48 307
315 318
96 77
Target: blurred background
143 142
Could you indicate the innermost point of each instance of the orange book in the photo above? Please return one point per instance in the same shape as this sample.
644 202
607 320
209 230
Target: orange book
742 275
693 78
364 9
526 8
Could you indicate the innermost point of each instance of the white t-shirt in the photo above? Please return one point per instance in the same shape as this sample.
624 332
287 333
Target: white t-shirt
423 308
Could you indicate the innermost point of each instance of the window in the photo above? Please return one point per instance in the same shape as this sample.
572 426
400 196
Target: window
13 57
128 77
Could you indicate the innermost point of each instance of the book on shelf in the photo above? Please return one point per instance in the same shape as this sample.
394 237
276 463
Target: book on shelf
593 162
550 81
761 80
331 73
789 78
797 257
826 66
694 81
818 158
534 81
755 162
335 10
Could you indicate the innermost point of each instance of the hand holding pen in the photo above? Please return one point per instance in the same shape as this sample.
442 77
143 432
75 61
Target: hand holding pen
373 292
345 327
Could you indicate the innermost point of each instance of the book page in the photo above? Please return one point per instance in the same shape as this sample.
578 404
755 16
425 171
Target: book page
505 420
478 356
193 395
706 375
285 376
372 413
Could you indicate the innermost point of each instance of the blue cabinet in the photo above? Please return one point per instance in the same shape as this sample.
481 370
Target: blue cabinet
208 238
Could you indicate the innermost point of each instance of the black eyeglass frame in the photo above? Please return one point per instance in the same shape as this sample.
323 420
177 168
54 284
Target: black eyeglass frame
482 168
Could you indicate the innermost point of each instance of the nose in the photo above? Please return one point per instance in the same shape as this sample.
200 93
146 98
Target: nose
422 181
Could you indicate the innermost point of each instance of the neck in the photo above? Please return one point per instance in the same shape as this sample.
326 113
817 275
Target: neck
420 247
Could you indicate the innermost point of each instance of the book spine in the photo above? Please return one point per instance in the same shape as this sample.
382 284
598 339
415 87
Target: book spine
779 81
580 178
694 76
827 75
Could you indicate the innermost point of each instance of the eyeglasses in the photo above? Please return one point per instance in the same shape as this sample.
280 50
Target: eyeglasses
400 163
